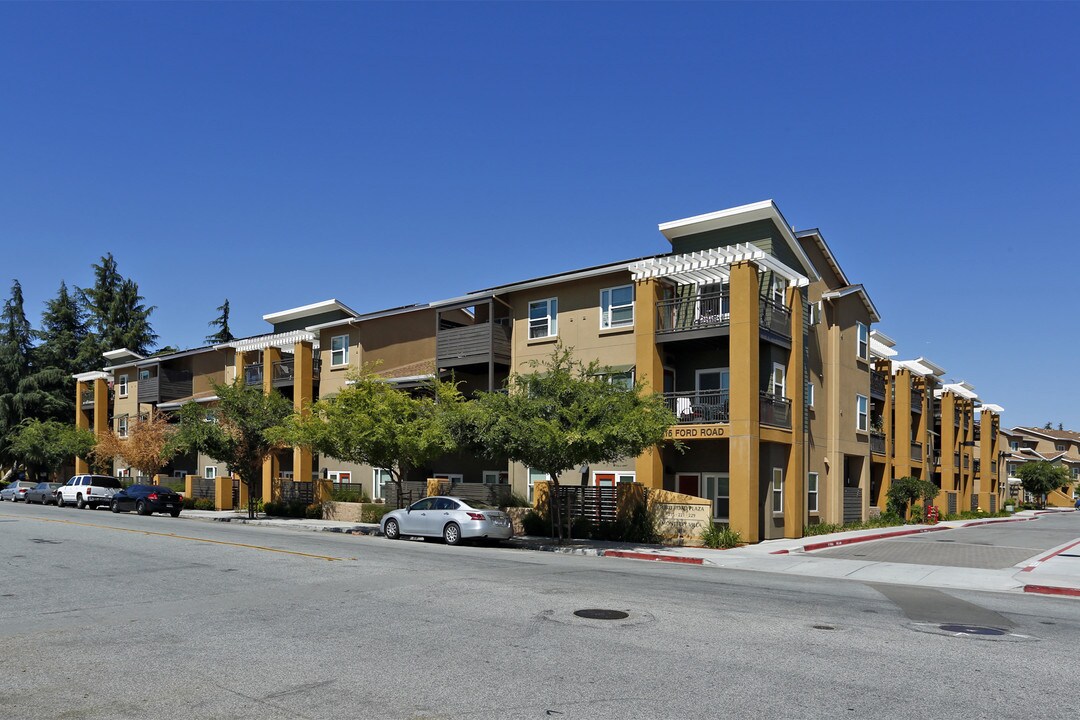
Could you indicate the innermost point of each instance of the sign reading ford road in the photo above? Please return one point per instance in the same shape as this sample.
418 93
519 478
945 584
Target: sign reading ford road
695 432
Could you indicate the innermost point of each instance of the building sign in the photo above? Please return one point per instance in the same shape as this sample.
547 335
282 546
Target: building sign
695 432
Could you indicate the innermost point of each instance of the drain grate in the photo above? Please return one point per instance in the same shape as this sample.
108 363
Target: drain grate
600 614
972 629
824 627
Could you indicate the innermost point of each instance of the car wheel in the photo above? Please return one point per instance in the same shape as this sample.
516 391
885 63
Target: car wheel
59 501
391 530
451 534
175 513
114 506
140 507
79 502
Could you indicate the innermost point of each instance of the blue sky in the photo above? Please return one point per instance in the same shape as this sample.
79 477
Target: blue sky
222 150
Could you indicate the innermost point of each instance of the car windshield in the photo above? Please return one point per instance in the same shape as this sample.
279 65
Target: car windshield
106 482
477 505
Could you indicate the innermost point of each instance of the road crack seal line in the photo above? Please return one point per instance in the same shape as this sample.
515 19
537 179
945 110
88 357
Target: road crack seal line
195 539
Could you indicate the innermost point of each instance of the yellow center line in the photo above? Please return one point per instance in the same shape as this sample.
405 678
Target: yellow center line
182 537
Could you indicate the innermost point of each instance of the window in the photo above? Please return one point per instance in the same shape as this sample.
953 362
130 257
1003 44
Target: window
339 350
452 477
617 307
810 394
210 472
1014 445
777 490
122 426
777 384
717 489
862 419
121 386
612 478
535 476
339 476
543 318
380 478
123 473
812 492
144 375
624 379
813 314
1059 447
496 477
864 342
779 285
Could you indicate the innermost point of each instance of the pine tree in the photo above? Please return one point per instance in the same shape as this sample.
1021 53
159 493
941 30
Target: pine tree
63 335
115 312
223 334
15 347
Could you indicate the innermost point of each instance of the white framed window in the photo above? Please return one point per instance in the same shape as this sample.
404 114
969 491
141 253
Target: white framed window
179 473
339 476
380 477
536 476
813 314
862 413
777 491
210 472
812 492
496 477
778 381
121 386
717 489
339 350
123 473
1059 447
810 394
863 342
452 477
144 375
609 478
624 379
779 285
617 307
122 426
1014 445
543 318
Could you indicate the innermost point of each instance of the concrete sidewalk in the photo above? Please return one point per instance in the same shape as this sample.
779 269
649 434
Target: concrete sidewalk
1056 572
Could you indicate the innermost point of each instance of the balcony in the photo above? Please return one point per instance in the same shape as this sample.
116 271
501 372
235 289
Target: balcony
253 374
775 411
916 400
877 384
966 462
88 398
284 372
165 385
709 314
706 406
916 452
456 346
776 319
877 443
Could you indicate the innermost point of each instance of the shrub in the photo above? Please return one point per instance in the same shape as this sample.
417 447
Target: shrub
515 500
189 503
294 509
638 525
536 524
720 536
314 511
374 513
353 496
906 490
205 504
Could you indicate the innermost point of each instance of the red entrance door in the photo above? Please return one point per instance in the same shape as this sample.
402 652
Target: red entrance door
688 484
605 479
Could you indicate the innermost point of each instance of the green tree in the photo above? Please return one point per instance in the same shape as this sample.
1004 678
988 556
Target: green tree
15 367
1040 477
564 414
905 491
371 422
47 445
240 430
115 311
221 322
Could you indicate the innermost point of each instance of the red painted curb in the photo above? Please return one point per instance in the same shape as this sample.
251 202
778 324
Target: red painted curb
1052 590
780 552
1041 560
650 556
992 521
865 538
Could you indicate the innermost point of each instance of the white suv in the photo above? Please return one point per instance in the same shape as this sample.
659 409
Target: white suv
88 491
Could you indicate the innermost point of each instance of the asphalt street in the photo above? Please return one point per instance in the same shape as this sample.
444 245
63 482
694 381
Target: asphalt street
107 616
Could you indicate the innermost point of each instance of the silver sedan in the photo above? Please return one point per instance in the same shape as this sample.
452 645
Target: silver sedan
450 518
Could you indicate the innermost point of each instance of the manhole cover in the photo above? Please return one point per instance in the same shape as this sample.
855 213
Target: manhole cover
972 629
599 614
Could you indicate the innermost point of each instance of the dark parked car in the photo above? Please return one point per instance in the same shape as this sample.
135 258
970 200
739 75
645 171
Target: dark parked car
44 493
146 499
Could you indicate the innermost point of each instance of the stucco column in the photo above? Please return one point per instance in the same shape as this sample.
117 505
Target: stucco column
888 425
795 492
987 457
745 442
82 421
271 355
238 363
902 424
101 406
922 428
649 465
303 392
948 450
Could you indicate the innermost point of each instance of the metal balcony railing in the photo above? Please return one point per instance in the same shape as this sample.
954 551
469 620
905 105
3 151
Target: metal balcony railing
696 312
916 452
877 443
703 406
877 384
775 410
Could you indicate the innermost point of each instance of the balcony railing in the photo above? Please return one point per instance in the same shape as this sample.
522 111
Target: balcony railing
775 318
916 400
775 410
472 344
916 452
696 312
877 384
253 374
704 406
284 371
877 443
88 398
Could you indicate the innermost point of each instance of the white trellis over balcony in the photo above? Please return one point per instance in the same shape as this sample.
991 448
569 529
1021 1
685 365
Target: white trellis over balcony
698 305
285 343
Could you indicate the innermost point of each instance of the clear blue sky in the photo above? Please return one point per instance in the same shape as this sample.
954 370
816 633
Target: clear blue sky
385 154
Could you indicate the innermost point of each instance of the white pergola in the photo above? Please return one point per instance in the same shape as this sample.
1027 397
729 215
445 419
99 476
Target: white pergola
711 266
282 341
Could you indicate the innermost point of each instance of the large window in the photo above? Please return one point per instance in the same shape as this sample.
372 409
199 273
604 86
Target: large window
380 478
543 318
535 476
777 490
717 489
617 307
812 492
862 417
778 382
496 477
121 386
809 394
122 426
339 350
864 342
210 472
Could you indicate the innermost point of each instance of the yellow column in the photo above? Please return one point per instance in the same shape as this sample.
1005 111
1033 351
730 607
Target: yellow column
238 363
922 430
902 424
987 456
82 421
101 407
795 492
745 442
303 392
888 426
948 450
271 355
223 493
649 465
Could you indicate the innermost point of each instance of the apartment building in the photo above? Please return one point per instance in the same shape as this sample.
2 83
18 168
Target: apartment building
1028 444
790 407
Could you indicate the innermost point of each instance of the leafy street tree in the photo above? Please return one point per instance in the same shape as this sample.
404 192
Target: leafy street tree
46 446
564 414
1041 477
903 492
221 322
148 446
239 431
371 422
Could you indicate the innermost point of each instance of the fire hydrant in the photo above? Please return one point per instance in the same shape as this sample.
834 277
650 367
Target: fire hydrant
932 515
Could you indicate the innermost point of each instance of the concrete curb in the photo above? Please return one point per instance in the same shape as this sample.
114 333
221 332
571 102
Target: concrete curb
1054 554
629 554
1052 590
